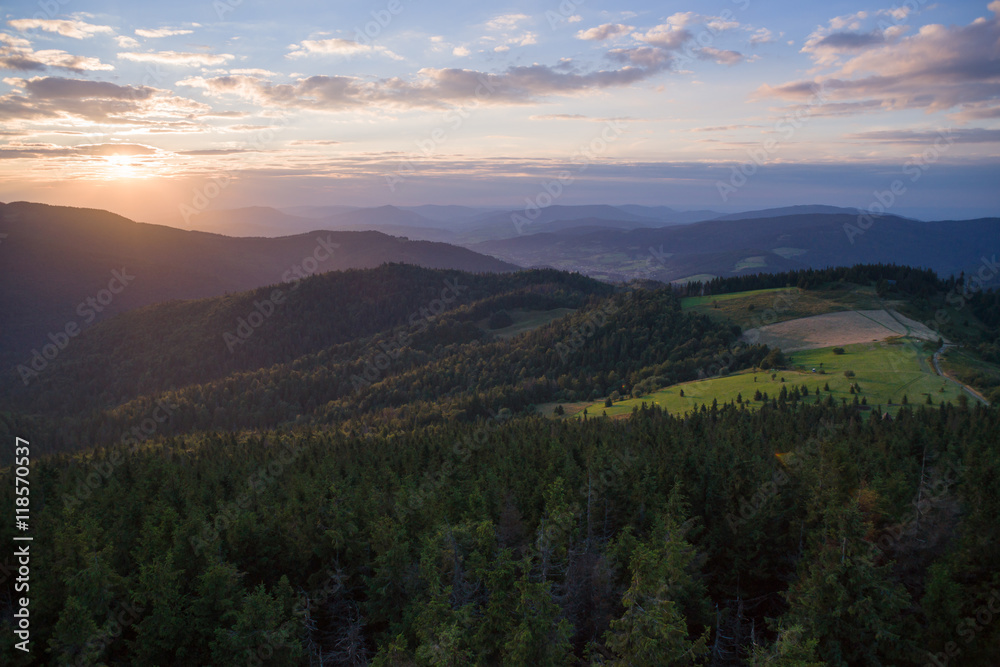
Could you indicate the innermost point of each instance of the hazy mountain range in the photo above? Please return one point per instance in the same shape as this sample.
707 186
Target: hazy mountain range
54 258
58 262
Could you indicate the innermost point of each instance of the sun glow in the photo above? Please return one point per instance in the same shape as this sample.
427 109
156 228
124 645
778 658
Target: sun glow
124 166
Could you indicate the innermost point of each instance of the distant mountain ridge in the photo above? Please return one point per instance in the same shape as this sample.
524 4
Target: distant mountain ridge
56 257
726 247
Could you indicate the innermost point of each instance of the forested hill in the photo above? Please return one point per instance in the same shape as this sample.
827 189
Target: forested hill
365 476
174 344
655 540
54 258
412 349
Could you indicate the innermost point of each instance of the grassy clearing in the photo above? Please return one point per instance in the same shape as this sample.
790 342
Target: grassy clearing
525 320
756 262
697 278
885 371
768 306
968 368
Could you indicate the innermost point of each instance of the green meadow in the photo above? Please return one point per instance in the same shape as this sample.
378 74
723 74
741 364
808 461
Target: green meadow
884 371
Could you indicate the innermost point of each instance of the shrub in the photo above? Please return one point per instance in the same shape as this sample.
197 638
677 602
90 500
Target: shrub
839 350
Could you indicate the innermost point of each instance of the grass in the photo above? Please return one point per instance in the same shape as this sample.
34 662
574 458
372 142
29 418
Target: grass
756 262
970 369
697 278
884 370
770 306
789 252
525 320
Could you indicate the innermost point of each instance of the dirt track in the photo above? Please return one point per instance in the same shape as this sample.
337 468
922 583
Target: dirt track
855 326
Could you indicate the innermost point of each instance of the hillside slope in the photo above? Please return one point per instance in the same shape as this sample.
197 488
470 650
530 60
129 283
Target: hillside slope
54 258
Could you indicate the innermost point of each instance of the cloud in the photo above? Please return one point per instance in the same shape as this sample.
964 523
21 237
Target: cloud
49 150
720 56
11 40
125 42
666 35
850 41
936 69
58 98
723 128
155 33
560 116
976 111
972 135
336 46
506 21
649 57
460 51
843 35
252 71
180 59
604 31
761 36
435 88
505 30
314 142
16 54
67 28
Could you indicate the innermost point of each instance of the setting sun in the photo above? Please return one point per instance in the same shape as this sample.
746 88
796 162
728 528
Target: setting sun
124 166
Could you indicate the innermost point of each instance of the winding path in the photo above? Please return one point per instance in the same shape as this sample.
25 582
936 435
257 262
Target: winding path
937 369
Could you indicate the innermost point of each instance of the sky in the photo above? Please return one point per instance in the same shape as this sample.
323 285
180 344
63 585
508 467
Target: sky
160 110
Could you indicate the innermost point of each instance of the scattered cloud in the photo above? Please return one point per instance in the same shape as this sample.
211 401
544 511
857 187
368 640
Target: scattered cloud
67 28
156 33
460 51
761 36
101 102
605 31
937 69
976 111
16 54
720 56
315 142
434 88
723 128
252 71
337 46
506 21
972 135
666 35
180 59
125 42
